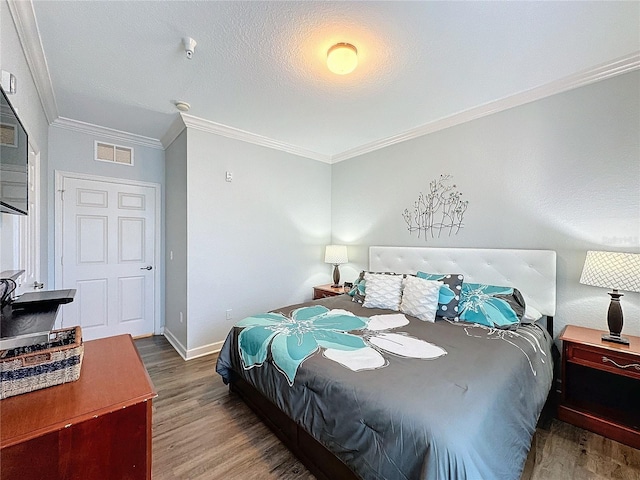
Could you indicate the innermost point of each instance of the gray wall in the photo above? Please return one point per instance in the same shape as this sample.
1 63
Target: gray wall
31 113
176 240
255 243
562 173
73 151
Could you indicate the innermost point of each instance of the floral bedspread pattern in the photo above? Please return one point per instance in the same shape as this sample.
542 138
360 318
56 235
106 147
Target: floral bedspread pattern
354 342
490 305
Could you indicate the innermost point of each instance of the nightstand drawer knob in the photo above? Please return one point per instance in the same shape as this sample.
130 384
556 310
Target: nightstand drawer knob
631 365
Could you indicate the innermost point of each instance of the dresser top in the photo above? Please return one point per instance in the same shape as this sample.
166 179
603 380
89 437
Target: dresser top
112 377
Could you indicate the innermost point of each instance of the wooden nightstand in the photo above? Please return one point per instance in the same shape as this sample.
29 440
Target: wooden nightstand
601 384
322 291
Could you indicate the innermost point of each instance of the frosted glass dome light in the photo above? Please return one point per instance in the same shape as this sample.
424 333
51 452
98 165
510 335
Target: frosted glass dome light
342 58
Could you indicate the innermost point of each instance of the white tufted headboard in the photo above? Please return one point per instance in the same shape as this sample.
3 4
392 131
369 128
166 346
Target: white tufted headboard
533 272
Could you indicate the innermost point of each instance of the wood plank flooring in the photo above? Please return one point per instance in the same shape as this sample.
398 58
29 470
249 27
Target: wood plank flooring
201 431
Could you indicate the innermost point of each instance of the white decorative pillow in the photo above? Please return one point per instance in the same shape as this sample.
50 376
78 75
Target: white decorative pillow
383 291
420 298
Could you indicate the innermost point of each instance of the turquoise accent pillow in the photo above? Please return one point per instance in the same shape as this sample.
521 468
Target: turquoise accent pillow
358 289
491 305
449 298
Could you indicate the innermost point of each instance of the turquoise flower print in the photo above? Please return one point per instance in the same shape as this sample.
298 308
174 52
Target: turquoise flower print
446 295
358 288
292 340
479 304
358 291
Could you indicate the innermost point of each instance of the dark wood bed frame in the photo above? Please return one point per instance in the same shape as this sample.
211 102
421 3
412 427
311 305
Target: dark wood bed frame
315 456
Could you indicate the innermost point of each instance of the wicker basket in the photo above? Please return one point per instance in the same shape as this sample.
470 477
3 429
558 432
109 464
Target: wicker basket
25 369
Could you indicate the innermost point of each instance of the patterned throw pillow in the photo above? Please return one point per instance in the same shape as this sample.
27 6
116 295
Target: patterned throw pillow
491 305
420 298
358 289
383 291
448 303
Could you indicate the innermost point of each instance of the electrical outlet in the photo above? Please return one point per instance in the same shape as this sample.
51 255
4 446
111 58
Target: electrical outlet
229 316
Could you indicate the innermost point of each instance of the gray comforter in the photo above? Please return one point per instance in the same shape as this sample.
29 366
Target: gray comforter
469 414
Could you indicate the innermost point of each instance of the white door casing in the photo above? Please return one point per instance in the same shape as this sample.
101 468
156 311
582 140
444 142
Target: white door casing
23 250
107 248
30 229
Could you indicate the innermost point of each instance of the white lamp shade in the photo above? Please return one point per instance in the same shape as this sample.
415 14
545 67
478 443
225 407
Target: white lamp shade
336 254
618 271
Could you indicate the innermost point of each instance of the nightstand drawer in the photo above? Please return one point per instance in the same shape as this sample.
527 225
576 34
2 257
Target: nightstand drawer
320 294
615 362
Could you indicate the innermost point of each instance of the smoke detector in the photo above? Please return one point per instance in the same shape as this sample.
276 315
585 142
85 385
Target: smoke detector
182 106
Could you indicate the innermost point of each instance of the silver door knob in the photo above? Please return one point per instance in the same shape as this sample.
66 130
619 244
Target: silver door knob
148 267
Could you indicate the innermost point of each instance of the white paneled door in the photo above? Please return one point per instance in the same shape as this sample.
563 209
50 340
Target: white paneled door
108 252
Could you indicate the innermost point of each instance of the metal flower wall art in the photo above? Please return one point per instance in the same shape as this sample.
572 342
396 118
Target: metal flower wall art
440 210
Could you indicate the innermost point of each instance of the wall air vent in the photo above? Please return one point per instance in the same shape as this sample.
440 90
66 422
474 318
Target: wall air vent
106 152
8 135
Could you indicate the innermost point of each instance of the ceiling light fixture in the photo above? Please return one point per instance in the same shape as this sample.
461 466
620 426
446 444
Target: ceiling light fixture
342 58
183 106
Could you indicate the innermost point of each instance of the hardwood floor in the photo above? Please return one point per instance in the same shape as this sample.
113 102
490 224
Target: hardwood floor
201 431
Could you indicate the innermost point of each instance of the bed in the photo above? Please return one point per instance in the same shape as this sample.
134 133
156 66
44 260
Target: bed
464 407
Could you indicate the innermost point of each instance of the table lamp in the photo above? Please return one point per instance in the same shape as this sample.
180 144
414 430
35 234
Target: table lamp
618 271
336 255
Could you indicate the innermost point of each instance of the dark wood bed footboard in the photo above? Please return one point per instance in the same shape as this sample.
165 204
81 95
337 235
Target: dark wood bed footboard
315 456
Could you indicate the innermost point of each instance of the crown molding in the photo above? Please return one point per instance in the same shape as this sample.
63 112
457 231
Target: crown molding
201 124
604 71
172 133
24 18
97 130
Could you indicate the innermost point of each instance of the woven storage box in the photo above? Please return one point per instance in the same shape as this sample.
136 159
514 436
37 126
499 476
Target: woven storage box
25 369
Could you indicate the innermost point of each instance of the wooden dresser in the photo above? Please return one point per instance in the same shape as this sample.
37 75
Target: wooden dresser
601 384
98 427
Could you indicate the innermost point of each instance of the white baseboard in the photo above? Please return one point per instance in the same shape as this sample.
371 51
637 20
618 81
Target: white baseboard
175 343
204 350
194 352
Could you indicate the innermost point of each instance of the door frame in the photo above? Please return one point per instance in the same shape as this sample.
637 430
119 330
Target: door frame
24 246
60 176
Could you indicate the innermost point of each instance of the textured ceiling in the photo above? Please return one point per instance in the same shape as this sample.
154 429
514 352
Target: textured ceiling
260 66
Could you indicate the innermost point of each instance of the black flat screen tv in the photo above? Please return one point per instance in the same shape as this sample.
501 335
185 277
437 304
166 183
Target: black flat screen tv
14 156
